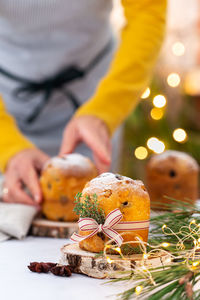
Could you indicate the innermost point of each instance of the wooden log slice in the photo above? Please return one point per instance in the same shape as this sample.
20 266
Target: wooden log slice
45 228
88 263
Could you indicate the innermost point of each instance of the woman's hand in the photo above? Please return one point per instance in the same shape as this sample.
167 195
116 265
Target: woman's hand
94 133
22 171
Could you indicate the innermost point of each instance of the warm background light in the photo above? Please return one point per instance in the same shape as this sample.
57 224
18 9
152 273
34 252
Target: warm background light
159 147
159 101
141 152
146 93
178 49
151 142
138 289
156 113
156 145
191 82
179 135
173 79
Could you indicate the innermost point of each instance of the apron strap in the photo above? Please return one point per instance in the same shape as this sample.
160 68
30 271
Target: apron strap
29 88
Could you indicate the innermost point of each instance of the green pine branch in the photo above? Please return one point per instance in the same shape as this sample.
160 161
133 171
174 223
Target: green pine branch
175 281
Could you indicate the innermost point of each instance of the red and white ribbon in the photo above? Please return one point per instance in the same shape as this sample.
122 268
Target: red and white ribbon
112 223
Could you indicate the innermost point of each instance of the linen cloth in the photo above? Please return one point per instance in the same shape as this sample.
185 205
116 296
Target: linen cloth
15 219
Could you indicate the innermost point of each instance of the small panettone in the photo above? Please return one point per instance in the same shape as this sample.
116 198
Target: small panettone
173 174
62 178
115 191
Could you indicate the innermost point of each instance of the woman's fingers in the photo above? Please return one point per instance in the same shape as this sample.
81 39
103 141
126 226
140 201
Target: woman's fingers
31 181
100 165
39 160
22 174
15 193
98 145
93 132
70 139
20 196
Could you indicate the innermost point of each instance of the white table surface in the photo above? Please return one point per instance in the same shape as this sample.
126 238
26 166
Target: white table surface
17 282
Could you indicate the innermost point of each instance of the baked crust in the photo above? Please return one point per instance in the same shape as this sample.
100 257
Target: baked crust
116 191
62 178
173 174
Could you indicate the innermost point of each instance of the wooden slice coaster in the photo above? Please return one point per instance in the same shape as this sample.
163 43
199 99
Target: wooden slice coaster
88 263
45 228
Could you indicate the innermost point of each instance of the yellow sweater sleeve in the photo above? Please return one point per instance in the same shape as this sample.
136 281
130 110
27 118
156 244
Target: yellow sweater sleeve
11 141
132 65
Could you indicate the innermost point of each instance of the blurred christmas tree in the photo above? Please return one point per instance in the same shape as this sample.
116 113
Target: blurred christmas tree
152 128
168 116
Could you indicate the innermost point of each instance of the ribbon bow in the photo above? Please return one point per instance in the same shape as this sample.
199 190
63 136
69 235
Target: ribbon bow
112 223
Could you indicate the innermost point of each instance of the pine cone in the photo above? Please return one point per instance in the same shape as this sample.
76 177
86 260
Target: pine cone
64 271
41 267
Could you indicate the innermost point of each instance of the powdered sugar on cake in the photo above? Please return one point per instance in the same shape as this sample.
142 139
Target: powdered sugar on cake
182 159
107 181
71 163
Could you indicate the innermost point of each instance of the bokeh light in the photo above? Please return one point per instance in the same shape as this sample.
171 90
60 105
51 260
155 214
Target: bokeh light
178 49
109 260
159 101
146 93
165 244
156 145
173 79
138 289
141 152
151 142
156 113
180 135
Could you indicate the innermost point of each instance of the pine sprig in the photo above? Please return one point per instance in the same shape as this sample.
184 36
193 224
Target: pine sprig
88 207
181 213
168 285
175 281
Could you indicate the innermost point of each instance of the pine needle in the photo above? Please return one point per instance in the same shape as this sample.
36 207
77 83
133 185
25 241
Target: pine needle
169 280
88 207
